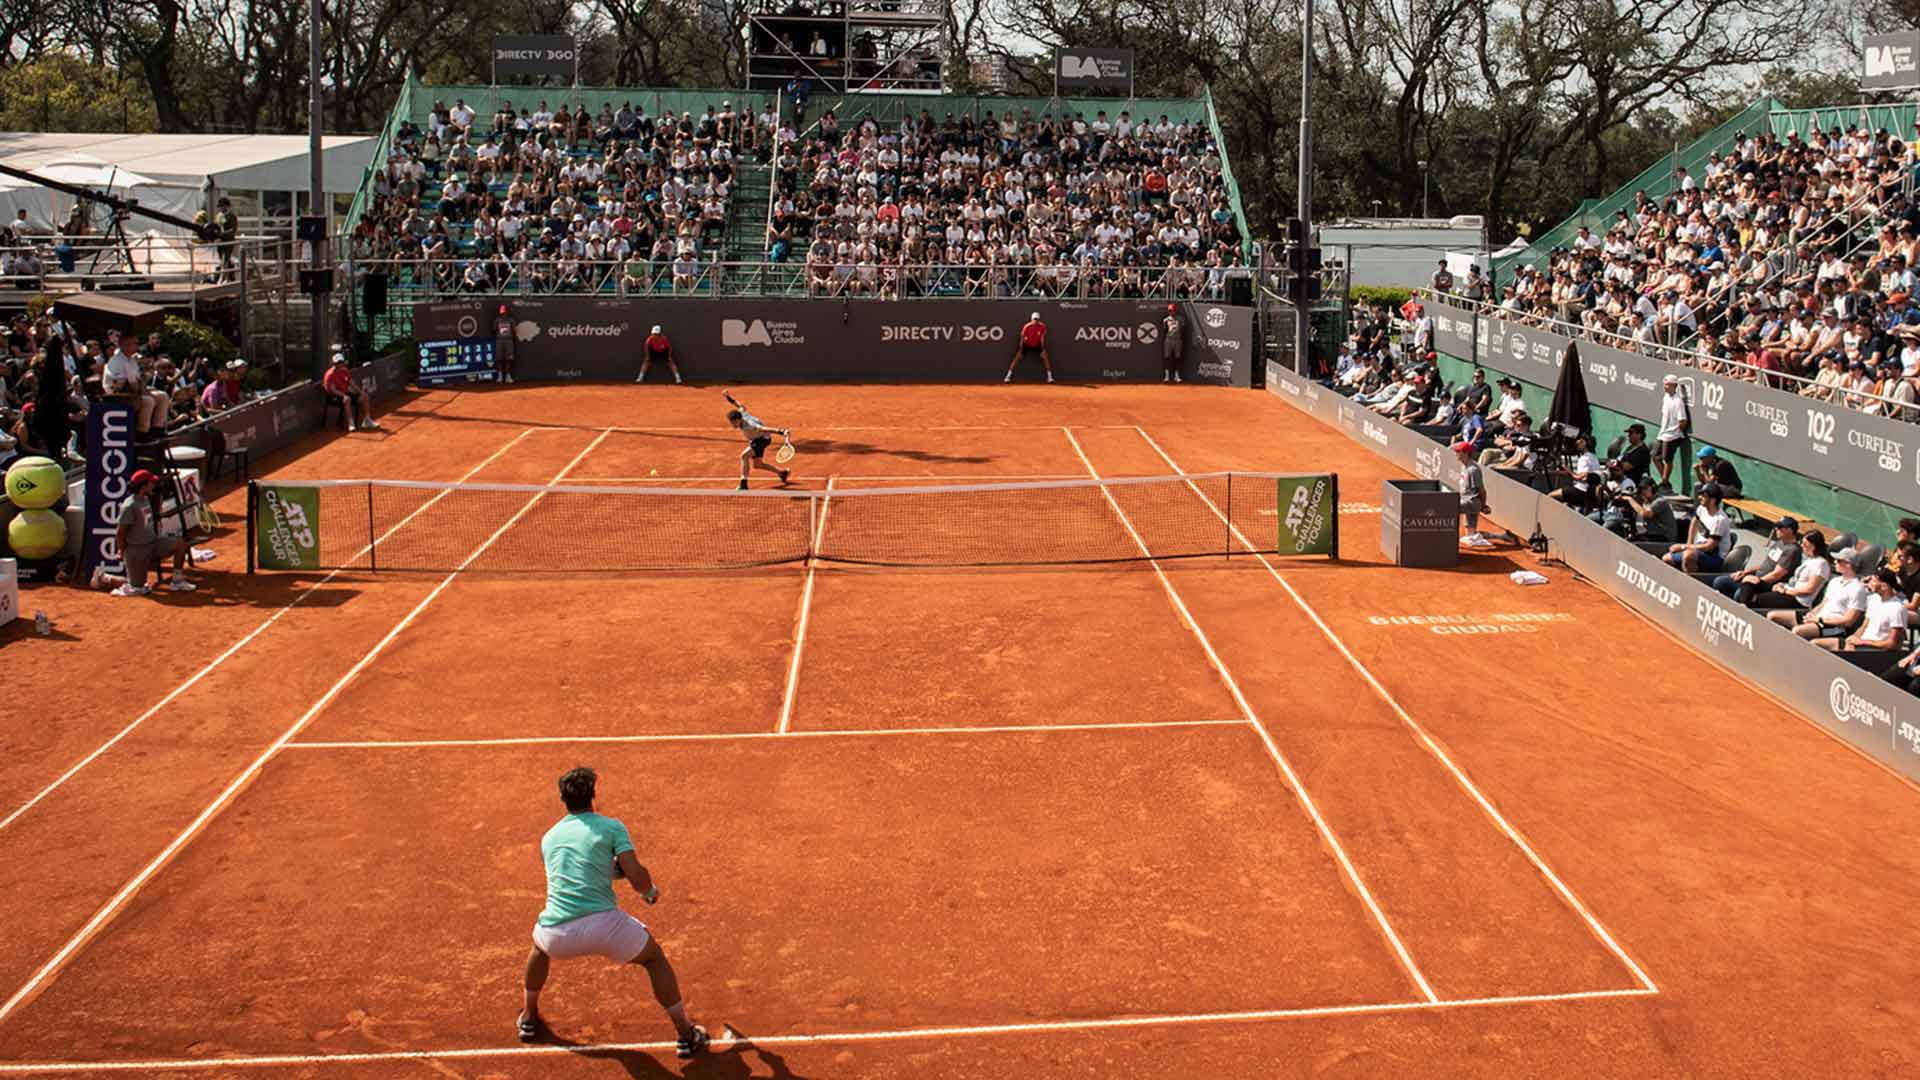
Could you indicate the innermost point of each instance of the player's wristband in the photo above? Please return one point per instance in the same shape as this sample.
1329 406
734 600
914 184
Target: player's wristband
652 895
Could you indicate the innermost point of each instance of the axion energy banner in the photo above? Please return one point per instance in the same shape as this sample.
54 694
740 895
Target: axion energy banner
287 532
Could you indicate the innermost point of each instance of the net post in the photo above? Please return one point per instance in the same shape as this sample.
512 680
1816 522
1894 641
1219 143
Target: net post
1229 516
813 529
1333 489
253 509
373 548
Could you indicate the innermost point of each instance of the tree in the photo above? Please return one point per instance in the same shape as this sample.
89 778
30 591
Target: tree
62 92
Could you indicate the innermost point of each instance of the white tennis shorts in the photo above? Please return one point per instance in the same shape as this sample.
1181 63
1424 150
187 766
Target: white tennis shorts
613 934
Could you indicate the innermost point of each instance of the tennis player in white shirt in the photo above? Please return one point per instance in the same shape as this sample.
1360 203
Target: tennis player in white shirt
759 436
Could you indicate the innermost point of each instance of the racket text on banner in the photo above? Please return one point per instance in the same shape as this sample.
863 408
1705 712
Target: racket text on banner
288 533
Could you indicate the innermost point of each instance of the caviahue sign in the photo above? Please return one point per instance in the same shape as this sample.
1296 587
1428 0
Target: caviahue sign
567 338
1866 711
1847 449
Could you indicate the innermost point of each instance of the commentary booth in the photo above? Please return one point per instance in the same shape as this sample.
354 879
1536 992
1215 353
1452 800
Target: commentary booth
567 338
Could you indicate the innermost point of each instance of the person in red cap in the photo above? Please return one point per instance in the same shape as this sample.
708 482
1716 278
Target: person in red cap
140 546
658 349
1033 342
1473 495
1173 344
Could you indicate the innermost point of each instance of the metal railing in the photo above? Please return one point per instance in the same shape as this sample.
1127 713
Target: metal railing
419 279
1680 356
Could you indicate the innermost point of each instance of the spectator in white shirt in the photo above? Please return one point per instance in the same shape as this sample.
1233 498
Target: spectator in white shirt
1672 442
1708 537
1841 609
1884 624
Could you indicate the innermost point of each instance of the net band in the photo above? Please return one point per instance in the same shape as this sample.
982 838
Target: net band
421 525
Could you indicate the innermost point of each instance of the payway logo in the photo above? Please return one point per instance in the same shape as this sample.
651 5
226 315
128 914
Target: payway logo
1850 708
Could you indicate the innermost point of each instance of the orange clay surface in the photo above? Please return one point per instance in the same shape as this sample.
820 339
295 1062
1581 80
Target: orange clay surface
1026 822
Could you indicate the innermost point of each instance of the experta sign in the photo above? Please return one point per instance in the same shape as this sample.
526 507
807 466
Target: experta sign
535 55
1890 61
1098 70
1866 711
1869 455
109 465
567 338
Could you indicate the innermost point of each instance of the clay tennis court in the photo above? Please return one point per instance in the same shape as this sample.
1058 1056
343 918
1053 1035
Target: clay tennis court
1204 817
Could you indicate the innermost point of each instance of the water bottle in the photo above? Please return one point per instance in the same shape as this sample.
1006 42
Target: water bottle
41 624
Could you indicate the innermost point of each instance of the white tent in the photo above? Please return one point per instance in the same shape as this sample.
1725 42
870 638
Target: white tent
47 208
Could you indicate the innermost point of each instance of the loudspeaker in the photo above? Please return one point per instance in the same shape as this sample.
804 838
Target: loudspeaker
1240 291
316 282
310 227
373 294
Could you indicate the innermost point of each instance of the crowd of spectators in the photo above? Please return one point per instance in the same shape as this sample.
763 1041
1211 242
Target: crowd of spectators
49 374
548 200
1789 261
1005 205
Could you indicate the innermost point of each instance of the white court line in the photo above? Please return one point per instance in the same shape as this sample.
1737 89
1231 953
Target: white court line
924 478
241 644
855 427
1036 1027
800 623
1486 805
1273 749
733 736
113 907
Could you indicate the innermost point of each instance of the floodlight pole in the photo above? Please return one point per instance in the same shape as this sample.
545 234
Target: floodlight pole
317 196
1302 329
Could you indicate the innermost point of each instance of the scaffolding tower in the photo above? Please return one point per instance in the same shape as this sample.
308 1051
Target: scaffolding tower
847 46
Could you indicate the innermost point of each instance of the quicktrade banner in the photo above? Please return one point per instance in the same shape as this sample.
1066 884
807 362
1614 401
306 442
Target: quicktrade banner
1849 450
1847 700
288 532
109 464
1304 505
746 340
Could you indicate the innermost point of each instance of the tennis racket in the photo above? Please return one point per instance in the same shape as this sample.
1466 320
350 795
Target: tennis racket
785 453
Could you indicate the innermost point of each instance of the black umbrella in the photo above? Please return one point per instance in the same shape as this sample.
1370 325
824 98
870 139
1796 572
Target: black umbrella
1570 411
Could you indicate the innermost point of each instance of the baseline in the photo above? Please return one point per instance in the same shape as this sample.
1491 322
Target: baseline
119 900
1273 749
1460 777
730 736
822 1038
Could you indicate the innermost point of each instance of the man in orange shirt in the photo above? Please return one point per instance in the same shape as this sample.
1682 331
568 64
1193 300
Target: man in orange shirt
338 383
658 349
1033 342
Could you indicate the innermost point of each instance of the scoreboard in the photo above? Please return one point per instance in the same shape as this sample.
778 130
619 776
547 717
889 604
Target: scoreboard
457 360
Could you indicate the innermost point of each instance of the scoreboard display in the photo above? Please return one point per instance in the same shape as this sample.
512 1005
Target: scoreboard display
457 360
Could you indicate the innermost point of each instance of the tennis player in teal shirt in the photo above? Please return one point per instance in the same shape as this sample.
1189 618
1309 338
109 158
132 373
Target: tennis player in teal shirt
584 852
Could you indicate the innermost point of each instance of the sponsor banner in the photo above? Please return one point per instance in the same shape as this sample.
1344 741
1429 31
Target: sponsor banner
1854 703
9 591
569 337
1868 455
1890 61
1499 622
1098 70
288 533
109 464
1304 505
534 55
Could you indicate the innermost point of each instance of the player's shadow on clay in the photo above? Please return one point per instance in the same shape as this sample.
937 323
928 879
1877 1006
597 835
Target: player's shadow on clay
857 449
734 1062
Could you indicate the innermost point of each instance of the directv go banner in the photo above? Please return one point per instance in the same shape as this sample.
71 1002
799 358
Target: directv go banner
568 338
1869 455
1854 704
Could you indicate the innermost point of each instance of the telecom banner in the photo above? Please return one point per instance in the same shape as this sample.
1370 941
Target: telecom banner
109 465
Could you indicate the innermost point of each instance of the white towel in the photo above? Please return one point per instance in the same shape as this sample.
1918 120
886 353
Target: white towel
1527 577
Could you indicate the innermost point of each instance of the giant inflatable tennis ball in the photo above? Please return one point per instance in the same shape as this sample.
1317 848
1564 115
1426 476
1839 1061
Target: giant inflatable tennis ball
35 483
36 534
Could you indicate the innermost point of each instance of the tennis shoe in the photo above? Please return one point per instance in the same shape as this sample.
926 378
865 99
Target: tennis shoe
1177 378
640 379
370 425
784 474
1049 376
99 577
677 380
528 1028
693 1043
742 487
131 589
181 584
1009 378
1166 377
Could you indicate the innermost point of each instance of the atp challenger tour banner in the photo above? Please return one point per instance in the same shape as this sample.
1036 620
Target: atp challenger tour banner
747 340
287 536
1305 507
1840 696
1852 451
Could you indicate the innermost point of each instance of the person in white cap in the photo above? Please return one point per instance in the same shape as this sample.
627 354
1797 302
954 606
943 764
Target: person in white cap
1676 420
658 348
1033 342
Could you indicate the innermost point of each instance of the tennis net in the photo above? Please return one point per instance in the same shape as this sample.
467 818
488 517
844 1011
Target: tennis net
415 526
